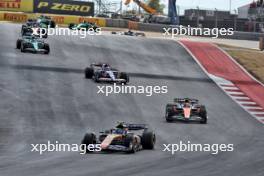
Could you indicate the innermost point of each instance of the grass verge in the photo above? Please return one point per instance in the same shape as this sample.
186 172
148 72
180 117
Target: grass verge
252 60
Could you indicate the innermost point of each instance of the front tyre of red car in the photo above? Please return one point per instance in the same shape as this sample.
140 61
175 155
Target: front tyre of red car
167 116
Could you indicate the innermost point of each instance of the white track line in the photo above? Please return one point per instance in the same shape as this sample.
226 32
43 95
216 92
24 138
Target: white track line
257 107
249 103
235 93
243 99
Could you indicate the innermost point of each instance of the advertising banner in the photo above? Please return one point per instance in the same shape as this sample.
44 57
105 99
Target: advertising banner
99 21
16 17
16 5
65 7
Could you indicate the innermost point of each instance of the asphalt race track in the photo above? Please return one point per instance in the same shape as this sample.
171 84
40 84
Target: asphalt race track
45 97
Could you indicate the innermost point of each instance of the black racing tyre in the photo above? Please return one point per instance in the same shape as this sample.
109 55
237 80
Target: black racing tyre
168 113
47 48
148 140
167 116
124 76
22 49
89 138
88 72
52 24
203 115
168 119
129 142
18 44
23 26
43 31
71 25
22 29
113 32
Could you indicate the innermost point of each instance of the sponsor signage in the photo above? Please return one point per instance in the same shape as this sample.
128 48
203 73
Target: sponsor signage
16 5
10 4
65 7
15 17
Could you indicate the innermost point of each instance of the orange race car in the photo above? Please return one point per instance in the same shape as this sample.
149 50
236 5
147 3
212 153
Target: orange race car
186 109
125 137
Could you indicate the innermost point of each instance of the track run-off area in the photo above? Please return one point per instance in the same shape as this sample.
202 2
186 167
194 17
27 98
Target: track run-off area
45 97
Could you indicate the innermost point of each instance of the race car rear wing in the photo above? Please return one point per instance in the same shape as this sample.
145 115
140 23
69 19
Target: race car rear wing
182 100
136 126
98 64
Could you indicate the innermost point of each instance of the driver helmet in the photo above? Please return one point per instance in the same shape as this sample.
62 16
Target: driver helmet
187 102
120 125
105 66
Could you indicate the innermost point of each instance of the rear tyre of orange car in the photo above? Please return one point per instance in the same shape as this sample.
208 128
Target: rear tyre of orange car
203 115
148 140
89 138
168 118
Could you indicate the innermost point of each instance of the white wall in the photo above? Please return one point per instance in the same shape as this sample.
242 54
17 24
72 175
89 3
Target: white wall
243 12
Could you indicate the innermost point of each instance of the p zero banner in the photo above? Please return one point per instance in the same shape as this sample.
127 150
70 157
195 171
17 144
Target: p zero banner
16 5
66 7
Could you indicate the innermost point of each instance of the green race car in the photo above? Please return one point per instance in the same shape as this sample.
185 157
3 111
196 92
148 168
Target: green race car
187 110
84 25
32 44
31 24
46 21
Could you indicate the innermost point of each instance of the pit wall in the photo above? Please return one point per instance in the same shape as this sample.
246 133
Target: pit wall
118 23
